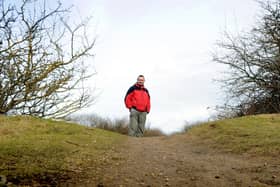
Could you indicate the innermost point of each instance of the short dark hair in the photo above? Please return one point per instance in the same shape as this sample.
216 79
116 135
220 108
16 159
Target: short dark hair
141 76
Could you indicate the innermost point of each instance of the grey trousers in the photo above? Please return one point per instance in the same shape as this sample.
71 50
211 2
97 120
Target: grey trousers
137 122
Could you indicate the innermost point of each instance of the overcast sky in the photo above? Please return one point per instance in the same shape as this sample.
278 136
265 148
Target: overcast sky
168 41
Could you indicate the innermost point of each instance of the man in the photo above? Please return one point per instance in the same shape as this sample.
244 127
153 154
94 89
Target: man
137 100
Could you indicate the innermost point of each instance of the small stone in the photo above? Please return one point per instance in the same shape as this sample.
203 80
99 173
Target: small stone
217 176
126 180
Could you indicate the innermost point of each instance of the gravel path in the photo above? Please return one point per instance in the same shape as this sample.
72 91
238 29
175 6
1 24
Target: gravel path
180 160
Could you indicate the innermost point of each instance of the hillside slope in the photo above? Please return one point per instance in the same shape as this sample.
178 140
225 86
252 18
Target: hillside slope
46 152
234 152
257 135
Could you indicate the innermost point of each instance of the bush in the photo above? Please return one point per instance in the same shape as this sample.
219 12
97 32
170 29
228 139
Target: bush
117 125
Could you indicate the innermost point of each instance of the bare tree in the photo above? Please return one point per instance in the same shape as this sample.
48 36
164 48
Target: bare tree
253 60
42 60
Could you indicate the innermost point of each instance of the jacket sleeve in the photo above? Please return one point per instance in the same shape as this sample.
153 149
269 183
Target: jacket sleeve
128 98
149 106
148 102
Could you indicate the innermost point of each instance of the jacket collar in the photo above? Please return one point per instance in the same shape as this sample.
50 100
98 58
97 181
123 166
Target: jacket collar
139 86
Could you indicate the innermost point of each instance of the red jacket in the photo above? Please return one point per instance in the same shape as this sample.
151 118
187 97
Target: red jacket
138 97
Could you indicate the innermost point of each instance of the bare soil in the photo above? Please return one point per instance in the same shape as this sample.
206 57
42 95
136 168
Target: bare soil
179 160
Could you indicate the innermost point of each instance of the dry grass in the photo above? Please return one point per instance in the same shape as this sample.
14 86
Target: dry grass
41 151
251 134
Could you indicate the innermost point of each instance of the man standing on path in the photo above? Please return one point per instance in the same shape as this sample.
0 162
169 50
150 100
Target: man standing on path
137 100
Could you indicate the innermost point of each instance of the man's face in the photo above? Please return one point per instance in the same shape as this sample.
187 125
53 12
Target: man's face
140 80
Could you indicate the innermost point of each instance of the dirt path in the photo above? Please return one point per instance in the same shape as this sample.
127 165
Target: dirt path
181 161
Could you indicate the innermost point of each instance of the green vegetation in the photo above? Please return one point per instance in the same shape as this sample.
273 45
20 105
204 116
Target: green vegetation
38 148
251 134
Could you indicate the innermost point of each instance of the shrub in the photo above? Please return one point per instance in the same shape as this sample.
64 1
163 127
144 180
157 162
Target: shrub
119 125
